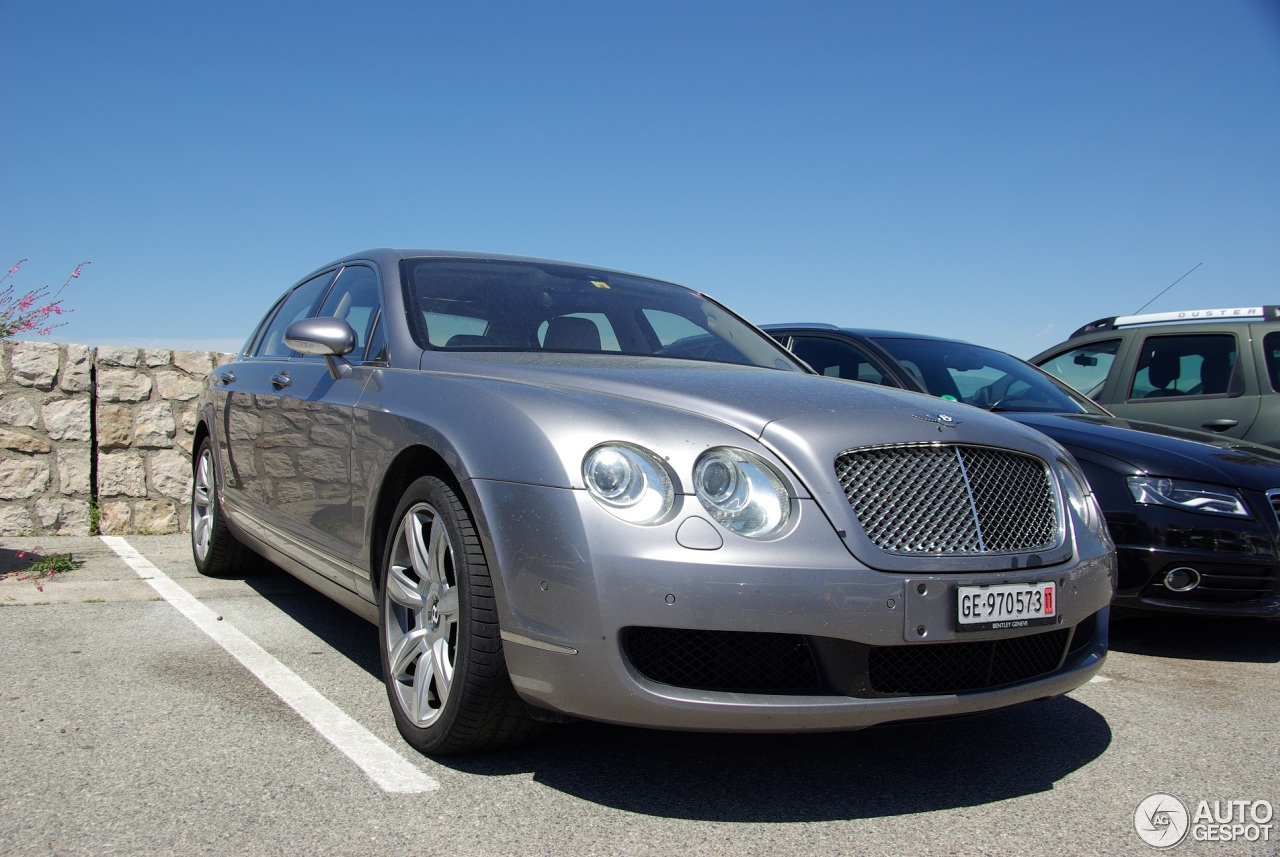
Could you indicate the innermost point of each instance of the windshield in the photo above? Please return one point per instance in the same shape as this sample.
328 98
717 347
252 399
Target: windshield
489 305
984 377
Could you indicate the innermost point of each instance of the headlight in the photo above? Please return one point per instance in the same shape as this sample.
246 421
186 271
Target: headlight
1079 495
1189 496
628 481
742 492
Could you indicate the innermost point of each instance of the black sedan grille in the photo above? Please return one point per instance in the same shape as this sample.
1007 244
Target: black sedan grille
1222 583
950 500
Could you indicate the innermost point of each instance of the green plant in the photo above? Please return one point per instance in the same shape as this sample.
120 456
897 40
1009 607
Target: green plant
44 567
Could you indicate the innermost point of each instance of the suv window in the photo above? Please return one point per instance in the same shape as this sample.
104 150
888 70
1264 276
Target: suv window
295 306
1085 367
1215 370
1271 352
1190 365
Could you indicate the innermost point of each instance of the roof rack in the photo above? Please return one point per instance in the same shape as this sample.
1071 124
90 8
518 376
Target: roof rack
1249 313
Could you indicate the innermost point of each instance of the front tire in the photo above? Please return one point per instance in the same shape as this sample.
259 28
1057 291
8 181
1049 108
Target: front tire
438 629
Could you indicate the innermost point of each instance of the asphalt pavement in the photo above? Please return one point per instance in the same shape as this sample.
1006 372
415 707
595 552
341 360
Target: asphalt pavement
145 709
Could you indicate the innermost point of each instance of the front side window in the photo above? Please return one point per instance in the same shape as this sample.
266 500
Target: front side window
543 307
355 298
1084 367
837 359
1185 365
296 306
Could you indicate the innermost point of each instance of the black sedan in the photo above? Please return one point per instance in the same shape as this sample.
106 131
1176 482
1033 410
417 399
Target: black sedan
1193 515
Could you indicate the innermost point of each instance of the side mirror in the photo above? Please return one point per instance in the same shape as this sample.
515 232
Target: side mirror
330 338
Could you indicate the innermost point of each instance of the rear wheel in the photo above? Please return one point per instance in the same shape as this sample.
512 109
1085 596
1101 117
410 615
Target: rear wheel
217 553
438 627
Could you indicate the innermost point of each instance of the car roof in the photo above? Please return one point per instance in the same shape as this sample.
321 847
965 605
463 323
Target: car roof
861 332
393 256
1269 312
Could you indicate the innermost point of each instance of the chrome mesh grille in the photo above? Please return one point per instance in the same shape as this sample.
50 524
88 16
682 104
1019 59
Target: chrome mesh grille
1273 497
950 500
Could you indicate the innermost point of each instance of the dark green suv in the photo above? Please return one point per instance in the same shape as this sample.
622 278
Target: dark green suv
1214 370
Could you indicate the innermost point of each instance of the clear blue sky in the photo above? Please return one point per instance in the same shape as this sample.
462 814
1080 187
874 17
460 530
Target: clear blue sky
997 171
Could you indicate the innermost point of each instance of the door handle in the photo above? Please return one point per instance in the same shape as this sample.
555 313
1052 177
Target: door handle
227 378
280 380
1220 425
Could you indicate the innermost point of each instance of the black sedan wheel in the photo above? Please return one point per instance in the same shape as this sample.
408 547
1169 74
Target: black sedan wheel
438 624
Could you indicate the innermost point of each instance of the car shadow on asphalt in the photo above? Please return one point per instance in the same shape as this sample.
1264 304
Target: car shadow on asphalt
340 629
883 771
1201 638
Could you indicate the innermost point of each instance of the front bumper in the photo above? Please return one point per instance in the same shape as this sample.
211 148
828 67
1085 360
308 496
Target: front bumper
576 589
1228 584
1235 560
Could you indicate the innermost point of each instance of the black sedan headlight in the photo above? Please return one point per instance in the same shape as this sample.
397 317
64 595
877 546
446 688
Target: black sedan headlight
1188 496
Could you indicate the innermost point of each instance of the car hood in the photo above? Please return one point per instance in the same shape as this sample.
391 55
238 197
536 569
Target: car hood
809 411
1162 450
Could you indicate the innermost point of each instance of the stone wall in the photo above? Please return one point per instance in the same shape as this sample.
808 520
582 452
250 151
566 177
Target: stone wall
106 429
45 438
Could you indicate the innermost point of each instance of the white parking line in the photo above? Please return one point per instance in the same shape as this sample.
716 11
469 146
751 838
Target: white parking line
391 771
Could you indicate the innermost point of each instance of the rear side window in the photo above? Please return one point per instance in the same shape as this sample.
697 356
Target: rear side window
1084 367
1190 365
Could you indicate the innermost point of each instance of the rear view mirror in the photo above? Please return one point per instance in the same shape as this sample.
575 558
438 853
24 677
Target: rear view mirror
1083 359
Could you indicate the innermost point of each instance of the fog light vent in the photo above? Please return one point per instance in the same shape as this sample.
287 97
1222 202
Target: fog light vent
1182 579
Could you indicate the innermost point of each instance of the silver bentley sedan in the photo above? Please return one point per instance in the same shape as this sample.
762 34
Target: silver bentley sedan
568 492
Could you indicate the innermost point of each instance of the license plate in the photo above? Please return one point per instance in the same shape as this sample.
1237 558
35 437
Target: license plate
1006 605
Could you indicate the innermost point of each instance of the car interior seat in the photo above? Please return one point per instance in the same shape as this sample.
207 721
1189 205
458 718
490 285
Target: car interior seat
1162 371
1215 373
466 340
569 333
